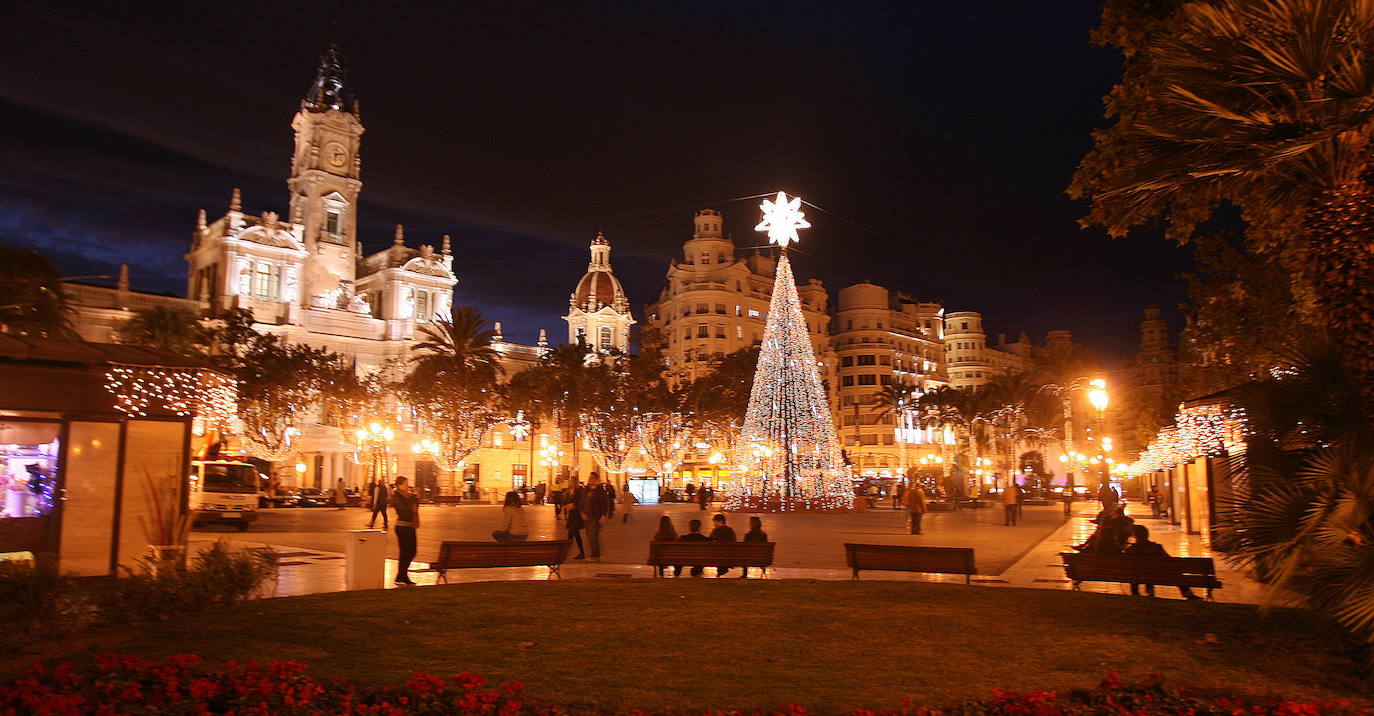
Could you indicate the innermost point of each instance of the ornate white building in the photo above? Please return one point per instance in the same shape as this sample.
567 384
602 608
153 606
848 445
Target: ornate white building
598 312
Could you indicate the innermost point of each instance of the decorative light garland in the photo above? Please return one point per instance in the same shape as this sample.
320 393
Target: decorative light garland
1209 430
791 461
209 394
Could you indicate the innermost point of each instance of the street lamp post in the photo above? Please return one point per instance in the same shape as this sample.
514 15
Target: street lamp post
377 439
1097 395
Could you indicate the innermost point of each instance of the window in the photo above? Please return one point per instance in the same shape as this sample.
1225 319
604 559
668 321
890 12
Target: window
703 308
885 379
263 279
605 340
846 361
739 311
703 330
739 333
753 313
867 359
868 379
720 330
333 221
849 325
581 334
706 257
422 306
686 310
847 381
868 439
720 309
519 472
964 325
887 360
687 333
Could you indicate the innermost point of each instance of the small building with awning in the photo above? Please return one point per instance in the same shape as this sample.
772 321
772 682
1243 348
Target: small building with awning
95 444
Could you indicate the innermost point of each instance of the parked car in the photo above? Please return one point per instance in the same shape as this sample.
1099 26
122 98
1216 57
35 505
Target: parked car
286 498
312 497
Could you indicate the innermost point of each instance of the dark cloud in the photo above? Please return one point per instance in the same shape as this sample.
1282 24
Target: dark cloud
940 135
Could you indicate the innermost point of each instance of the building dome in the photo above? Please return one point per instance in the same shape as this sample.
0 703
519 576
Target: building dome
599 288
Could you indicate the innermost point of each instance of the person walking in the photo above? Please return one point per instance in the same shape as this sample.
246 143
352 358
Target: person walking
1011 498
379 497
340 495
539 491
915 499
572 519
755 534
514 528
666 533
1155 500
702 497
693 535
721 532
596 507
407 506
627 505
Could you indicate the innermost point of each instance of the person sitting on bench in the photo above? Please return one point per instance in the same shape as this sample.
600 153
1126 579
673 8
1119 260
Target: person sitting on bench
1141 546
514 528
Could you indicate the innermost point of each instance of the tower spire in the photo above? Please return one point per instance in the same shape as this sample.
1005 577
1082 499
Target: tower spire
235 200
331 90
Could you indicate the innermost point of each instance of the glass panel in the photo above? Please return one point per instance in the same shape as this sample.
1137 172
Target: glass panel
28 468
88 513
155 478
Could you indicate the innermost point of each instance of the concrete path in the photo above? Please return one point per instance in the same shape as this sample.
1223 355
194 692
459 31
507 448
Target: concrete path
310 543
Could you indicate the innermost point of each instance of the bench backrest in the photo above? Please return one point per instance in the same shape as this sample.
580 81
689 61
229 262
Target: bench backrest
900 558
501 554
711 554
1173 571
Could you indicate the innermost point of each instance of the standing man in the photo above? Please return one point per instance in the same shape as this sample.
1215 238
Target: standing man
1011 502
379 498
915 499
595 507
407 507
340 495
1155 501
702 498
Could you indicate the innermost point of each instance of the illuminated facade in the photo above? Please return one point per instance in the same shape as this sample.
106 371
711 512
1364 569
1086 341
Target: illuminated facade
715 302
884 339
304 276
969 359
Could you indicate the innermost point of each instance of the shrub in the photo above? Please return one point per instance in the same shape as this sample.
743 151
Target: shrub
40 602
185 685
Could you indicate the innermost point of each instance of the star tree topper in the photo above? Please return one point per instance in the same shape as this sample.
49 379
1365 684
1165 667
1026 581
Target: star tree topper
781 219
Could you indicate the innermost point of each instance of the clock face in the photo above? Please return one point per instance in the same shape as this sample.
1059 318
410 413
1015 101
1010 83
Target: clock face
336 153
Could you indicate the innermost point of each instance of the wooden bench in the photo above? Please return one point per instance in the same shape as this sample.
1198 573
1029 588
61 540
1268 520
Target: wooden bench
710 554
473 555
1199 572
900 558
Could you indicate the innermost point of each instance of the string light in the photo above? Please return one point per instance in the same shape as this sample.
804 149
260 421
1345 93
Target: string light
208 394
1209 430
791 457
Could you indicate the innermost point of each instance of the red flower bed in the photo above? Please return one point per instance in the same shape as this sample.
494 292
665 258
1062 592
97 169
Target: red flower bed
119 684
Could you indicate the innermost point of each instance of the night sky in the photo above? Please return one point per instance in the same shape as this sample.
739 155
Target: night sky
938 136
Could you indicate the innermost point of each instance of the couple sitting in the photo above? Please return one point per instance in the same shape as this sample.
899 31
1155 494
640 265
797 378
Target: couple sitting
720 532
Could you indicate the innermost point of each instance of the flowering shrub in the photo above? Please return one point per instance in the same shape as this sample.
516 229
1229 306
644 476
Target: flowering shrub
118 684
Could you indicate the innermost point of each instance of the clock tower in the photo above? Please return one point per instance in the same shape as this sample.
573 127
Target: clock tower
325 178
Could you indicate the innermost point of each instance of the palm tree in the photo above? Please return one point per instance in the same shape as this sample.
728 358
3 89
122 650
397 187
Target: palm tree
33 301
1302 513
165 327
898 400
460 345
453 384
1267 105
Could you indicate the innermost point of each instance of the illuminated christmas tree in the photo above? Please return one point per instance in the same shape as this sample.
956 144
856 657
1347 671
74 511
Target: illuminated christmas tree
791 461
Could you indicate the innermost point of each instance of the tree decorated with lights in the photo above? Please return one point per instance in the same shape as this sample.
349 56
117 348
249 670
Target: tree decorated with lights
790 457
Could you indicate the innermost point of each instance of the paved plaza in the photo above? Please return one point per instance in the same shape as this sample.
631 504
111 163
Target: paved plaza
311 542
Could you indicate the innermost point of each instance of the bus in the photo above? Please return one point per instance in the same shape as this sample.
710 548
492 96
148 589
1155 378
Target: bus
224 492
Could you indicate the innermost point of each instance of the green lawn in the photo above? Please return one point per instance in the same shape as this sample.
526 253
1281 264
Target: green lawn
689 644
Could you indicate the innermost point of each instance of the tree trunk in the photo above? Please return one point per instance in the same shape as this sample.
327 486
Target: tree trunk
1340 230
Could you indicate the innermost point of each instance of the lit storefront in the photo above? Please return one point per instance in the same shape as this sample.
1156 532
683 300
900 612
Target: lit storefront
86 475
